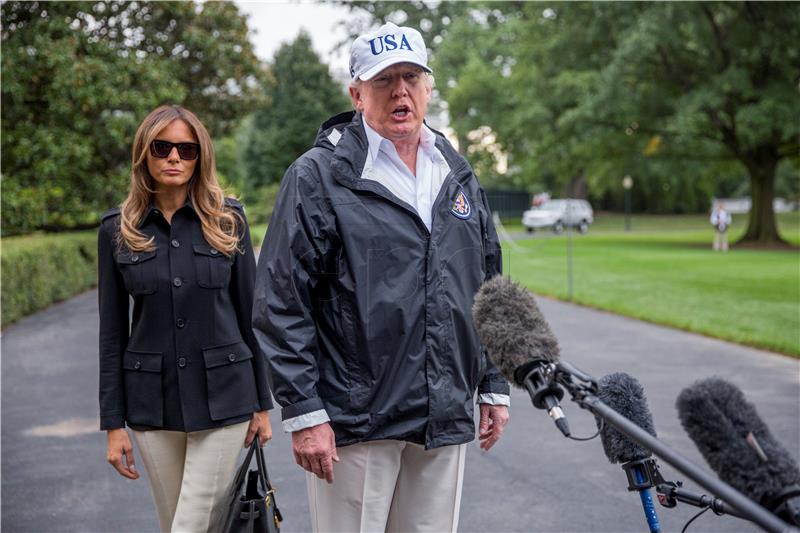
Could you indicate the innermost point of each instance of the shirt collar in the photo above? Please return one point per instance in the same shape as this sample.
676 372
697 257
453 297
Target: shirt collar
427 141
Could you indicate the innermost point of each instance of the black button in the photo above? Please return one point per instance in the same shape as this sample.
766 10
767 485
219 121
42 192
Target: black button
137 365
135 258
177 282
231 357
180 323
214 251
181 362
175 243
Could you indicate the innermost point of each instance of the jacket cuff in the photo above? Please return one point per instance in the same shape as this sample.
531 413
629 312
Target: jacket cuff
495 399
265 403
112 422
489 386
306 420
301 408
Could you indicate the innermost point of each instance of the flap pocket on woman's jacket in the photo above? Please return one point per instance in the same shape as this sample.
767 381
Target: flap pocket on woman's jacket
213 268
144 361
135 258
139 272
231 380
143 388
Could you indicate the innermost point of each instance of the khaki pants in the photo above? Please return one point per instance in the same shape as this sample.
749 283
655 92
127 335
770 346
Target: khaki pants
389 486
190 472
721 240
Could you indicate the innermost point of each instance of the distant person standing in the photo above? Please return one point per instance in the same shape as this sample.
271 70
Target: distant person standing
721 220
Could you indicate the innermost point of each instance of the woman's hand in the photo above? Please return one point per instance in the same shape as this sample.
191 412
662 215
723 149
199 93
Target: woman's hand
119 445
259 424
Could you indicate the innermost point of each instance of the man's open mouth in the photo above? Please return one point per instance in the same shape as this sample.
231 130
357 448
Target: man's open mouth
401 111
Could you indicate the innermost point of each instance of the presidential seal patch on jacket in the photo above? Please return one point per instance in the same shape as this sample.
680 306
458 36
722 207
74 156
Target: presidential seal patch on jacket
461 207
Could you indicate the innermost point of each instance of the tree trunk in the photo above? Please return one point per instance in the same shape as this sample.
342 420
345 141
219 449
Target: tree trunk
761 228
576 187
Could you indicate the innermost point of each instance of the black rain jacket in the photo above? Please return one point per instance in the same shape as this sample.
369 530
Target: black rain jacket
362 311
187 360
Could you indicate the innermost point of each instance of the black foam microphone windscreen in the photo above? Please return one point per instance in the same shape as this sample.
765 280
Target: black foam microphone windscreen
511 327
735 442
625 395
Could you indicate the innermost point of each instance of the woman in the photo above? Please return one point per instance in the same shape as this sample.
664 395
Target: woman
189 379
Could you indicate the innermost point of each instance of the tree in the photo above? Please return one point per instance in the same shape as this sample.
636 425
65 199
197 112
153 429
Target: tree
79 76
713 80
672 93
301 95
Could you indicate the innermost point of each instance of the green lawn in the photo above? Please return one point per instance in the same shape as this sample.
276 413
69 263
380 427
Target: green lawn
665 272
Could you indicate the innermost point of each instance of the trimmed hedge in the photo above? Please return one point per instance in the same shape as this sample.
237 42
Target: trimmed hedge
41 269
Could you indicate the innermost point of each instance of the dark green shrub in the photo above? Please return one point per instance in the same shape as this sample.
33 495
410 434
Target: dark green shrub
41 269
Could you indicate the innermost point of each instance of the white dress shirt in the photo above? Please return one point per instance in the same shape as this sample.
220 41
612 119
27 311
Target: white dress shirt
384 165
419 191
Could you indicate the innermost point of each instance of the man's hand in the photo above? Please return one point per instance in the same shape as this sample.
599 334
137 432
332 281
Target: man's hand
119 445
259 424
315 450
493 421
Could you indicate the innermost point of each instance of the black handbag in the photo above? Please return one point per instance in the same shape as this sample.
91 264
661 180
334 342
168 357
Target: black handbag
250 503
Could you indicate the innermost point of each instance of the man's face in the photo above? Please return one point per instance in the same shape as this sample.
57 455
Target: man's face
395 101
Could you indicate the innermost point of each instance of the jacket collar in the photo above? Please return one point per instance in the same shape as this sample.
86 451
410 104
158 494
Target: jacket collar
153 211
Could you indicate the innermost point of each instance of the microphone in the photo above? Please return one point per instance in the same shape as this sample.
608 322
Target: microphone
739 447
519 343
625 395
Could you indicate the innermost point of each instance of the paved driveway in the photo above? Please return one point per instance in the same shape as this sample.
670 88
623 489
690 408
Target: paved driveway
54 475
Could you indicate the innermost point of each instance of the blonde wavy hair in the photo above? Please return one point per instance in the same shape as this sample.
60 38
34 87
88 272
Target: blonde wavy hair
218 221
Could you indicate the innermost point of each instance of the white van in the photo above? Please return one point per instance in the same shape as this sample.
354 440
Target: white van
558 214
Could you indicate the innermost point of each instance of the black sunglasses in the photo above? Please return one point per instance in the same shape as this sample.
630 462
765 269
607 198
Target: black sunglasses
162 149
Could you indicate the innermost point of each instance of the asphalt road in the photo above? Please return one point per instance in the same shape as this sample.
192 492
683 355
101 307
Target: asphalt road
54 475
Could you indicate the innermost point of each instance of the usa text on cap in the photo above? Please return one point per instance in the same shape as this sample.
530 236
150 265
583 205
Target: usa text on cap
388 45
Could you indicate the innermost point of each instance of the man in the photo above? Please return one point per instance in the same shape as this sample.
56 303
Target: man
721 220
380 238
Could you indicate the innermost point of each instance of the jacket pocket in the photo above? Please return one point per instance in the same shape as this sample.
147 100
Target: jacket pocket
355 376
213 268
139 272
143 390
231 380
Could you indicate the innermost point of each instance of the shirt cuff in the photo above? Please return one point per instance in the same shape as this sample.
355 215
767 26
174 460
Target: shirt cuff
306 420
493 398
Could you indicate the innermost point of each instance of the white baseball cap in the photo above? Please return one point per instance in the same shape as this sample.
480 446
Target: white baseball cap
388 45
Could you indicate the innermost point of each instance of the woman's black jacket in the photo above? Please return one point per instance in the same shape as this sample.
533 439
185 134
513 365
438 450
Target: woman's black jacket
186 359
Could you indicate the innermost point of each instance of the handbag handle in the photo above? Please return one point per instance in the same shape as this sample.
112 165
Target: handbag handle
244 467
263 475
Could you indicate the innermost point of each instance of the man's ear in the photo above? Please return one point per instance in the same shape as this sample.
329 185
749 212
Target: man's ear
355 97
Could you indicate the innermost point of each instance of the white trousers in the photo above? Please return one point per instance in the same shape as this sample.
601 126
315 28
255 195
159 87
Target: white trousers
190 473
389 485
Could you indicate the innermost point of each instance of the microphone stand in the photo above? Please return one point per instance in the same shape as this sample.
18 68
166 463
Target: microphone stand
671 492
583 387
